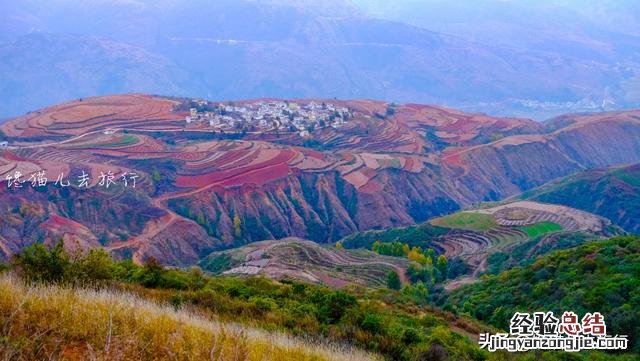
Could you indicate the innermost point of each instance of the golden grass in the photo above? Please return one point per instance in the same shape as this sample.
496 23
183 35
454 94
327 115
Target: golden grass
49 322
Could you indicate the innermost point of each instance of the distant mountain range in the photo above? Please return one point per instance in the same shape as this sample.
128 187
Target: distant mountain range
52 51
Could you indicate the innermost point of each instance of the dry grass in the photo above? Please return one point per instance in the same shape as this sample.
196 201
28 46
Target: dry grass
49 322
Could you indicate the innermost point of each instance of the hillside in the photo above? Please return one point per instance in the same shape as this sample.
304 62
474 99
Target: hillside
602 275
306 261
54 322
488 240
236 315
203 187
73 305
613 193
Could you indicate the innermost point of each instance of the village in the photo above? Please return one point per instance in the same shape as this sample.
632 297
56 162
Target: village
267 116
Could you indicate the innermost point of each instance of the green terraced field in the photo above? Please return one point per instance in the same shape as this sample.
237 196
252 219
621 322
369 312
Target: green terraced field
467 221
127 139
540 228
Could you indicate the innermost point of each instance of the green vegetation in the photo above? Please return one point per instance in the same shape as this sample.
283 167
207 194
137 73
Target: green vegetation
314 144
396 249
540 228
601 276
217 264
526 253
393 281
611 193
598 276
237 230
155 175
419 235
396 324
421 268
629 175
469 221
127 139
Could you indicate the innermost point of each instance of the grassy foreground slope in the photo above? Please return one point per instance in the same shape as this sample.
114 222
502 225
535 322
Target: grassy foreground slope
395 325
95 308
611 193
50 322
601 276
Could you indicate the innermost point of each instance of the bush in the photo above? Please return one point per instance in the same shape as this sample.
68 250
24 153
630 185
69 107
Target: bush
372 322
39 264
264 304
393 280
96 266
334 306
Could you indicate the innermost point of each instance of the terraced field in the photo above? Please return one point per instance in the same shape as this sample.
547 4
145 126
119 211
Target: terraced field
470 221
540 228
380 169
524 229
306 261
479 233
97 113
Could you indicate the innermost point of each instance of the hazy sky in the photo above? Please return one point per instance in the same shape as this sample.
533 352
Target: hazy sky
532 58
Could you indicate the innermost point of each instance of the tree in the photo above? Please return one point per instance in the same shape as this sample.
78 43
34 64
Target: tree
419 273
442 265
155 175
96 266
393 280
389 249
431 253
419 291
201 221
416 255
236 226
151 273
406 249
376 246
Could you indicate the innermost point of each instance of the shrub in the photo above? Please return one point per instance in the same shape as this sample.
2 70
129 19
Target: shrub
263 304
37 263
372 322
393 280
334 306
